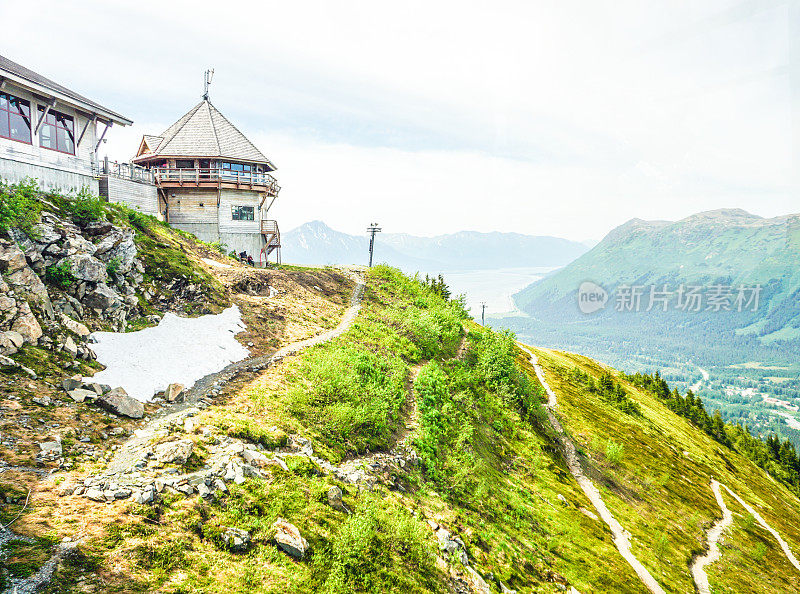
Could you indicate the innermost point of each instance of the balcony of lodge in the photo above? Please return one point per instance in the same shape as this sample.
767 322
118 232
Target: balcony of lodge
213 177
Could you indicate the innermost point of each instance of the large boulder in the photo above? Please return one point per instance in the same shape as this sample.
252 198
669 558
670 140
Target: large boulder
174 452
73 326
102 297
117 401
11 257
119 245
289 539
87 268
26 323
97 228
8 308
27 281
76 244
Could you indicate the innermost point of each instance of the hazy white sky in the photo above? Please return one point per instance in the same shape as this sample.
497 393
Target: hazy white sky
551 118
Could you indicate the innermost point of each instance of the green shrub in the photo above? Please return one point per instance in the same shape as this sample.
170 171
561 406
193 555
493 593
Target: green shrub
378 550
112 267
86 208
19 207
60 275
615 452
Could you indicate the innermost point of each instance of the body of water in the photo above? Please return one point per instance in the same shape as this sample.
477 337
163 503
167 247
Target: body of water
495 287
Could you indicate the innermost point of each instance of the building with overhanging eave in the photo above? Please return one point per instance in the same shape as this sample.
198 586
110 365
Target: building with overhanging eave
213 182
49 132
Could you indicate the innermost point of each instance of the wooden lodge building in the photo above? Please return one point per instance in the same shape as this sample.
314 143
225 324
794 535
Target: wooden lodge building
201 175
213 182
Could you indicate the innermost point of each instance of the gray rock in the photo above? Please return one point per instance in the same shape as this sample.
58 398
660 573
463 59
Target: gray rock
174 452
97 228
80 395
70 383
76 244
87 268
73 326
51 447
101 298
335 500
94 494
204 491
69 347
15 337
236 539
289 539
118 401
174 393
26 324
12 258
42 401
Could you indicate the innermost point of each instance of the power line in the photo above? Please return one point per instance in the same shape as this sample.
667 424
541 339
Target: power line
372 230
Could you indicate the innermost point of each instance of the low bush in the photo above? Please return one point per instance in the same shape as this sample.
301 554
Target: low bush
86 208
378 549
615 452
19 207
60 275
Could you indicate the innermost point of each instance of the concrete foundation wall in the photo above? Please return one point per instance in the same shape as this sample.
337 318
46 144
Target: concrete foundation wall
137 195
49 178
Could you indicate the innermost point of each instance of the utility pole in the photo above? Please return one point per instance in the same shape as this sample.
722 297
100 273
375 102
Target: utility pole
372 230
483 313
208 76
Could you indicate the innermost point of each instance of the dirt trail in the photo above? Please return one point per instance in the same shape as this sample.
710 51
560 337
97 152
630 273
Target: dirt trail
698 566
130 451
784 545
622 539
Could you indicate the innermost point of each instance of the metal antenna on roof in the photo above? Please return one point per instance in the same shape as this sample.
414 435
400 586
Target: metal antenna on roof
207 78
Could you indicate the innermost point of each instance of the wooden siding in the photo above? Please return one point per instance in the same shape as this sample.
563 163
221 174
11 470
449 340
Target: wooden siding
184 207
142 197
231 198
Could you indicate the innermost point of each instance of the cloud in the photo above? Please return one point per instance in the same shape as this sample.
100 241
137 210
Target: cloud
558 117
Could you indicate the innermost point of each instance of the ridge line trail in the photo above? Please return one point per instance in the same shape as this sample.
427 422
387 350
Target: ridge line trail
127 452
621 537
699 574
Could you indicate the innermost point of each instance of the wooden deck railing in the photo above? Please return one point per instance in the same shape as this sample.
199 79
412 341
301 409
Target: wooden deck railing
198 176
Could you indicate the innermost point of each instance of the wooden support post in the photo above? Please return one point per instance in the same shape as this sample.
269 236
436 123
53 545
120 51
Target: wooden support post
50 104
103 135
90 120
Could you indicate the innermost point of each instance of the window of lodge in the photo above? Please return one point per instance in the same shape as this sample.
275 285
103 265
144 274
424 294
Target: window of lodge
57 132
184 164
15 118
243 213
236 169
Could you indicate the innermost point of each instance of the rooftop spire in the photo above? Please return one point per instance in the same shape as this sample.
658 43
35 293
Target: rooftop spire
207 78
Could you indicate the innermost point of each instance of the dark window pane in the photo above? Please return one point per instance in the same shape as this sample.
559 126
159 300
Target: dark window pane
20 128
4 131
184 164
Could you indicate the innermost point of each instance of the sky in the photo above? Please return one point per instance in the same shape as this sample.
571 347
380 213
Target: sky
555 118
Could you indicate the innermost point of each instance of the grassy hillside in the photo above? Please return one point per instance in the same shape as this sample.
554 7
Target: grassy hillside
426 421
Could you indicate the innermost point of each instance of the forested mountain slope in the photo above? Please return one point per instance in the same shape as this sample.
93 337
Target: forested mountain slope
717 252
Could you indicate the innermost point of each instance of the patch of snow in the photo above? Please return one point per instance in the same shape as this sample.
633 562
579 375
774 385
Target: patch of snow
211 262
178 350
